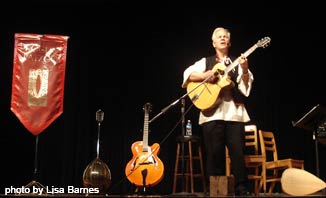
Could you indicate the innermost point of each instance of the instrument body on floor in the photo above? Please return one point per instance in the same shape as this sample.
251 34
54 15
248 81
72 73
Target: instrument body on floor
298 182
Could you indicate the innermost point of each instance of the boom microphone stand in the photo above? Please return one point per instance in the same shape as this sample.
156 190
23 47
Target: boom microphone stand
182 142
183 112
182 121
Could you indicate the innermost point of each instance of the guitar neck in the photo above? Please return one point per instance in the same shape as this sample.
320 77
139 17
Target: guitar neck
145 133
236 61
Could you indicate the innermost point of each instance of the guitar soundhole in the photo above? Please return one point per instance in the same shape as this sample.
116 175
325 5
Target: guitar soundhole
221 72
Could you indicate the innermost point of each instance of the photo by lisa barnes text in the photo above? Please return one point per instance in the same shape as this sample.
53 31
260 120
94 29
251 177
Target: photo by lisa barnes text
50 190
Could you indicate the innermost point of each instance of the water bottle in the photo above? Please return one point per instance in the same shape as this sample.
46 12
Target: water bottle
188 128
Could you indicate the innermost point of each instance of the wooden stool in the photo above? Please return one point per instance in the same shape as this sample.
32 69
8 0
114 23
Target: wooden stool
192 158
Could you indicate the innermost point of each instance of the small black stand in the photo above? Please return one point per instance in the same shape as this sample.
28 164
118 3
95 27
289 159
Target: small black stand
310 122
34 182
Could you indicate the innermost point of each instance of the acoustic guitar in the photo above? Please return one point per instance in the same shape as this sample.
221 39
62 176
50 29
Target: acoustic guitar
145 168
204 94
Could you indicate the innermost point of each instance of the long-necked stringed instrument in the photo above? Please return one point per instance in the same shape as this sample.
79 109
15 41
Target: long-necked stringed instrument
204 95
145 168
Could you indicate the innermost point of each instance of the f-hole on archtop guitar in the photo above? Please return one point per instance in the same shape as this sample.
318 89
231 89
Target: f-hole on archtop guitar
204 95
145 169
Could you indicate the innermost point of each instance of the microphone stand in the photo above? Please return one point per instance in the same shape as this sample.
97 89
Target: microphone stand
183 145
164 110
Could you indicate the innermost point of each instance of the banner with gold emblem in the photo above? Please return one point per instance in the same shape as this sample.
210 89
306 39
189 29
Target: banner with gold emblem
38 79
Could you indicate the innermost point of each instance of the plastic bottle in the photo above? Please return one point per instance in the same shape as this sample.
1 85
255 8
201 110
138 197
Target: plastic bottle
188 128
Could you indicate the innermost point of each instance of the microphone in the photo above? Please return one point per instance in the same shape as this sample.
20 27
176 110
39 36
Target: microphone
99 115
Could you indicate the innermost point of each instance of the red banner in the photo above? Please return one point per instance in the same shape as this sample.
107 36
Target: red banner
38 79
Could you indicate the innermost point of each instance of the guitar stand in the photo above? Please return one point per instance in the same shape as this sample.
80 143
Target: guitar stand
142 190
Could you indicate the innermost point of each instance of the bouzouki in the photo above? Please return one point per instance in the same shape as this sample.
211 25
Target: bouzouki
204 94
145 168
298 182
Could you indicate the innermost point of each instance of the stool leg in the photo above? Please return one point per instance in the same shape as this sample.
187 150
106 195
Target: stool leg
186 176
191 167
176 169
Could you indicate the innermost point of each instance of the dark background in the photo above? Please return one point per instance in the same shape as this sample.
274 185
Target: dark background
121 56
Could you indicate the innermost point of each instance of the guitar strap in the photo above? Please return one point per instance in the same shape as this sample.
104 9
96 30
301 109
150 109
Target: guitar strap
238 97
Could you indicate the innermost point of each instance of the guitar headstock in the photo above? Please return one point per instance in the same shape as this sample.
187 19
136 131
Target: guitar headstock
264 42
147 107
